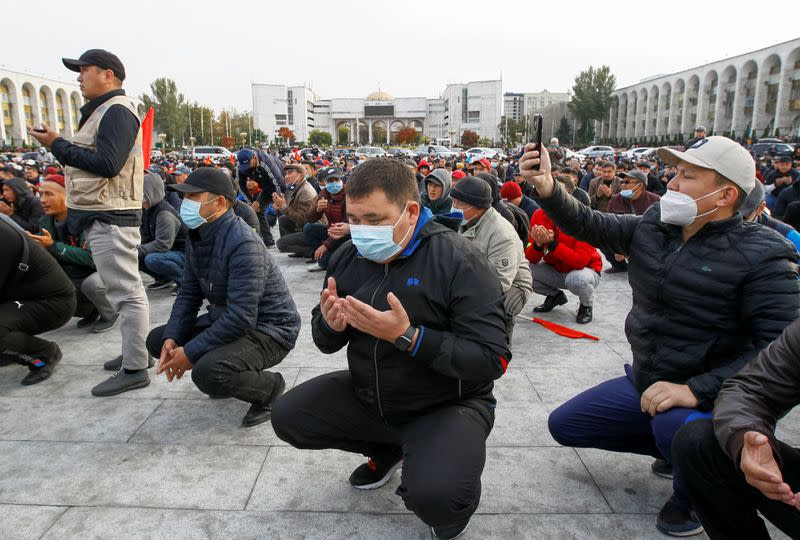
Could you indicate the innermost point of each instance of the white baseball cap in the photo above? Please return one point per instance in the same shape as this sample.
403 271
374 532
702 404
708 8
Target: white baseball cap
721 154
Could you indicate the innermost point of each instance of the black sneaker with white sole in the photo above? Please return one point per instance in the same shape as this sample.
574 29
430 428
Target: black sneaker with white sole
157 285
450 533
678 519
375 472
661 468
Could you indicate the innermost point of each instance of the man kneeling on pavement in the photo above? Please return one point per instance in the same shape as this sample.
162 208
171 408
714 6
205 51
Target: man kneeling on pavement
252 321
420 311
709 292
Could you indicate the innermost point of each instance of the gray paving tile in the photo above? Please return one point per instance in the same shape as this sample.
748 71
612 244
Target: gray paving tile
565 527
556 384
73 419
318 481
626 481
102 523
514 385
22 522
77 381
538 480
519 423
168 476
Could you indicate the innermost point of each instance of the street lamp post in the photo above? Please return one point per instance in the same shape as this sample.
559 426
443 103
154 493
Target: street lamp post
243 135
163 137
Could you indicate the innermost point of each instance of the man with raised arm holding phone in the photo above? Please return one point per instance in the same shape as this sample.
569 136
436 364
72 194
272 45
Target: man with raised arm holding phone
709 292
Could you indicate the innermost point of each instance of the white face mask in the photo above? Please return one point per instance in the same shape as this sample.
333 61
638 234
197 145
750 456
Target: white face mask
680 209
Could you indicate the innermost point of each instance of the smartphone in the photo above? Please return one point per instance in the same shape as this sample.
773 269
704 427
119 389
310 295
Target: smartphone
39 129
536 132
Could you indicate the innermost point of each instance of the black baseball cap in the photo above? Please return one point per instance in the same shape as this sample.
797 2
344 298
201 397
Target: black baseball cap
783 159
206 179
97 57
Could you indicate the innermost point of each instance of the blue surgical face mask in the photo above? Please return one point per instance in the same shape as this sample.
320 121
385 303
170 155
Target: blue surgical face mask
456 212
334 187
190 213
628 193
376 242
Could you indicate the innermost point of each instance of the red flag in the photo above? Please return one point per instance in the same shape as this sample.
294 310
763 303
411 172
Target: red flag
561 330
147 136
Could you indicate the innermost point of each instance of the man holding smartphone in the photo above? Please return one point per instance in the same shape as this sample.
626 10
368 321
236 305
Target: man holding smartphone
104 170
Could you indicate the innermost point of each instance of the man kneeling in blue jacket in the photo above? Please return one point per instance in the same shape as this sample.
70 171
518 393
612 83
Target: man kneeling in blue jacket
421 314
252 321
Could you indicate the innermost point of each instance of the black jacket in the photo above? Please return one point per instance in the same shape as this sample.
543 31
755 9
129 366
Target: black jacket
228 265
268 175
701 310
447 287
27 208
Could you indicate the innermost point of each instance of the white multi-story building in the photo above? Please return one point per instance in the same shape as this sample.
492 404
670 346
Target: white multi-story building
28 100
516 105
475 106
751 95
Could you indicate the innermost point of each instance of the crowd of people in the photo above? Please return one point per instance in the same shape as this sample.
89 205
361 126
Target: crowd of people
427 263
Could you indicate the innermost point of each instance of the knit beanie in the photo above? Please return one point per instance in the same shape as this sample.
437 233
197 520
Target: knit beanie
473 191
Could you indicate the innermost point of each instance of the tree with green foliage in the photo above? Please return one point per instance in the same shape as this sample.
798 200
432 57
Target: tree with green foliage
317 137
591 100
564 132
170 109
485 141
343 134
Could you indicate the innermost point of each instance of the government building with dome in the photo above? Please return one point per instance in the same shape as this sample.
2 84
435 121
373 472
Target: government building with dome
376 118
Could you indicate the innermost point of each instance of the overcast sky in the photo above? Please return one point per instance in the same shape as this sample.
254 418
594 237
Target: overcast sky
215 49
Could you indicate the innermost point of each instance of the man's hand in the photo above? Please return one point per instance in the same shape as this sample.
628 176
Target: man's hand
761 470
542 236
256 206
173 361
541 179
320 252
338 230
604 190
278 201
385 325
6 209
45 240
618 257
46 138
662 396
322 204
331 307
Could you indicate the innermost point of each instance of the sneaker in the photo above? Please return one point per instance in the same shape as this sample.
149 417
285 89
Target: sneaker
678 519
311 260
261 412
89 320
450 532
615 270
104 325
584 314
157 285
121 382
375 472
115 364
551 301
42 369
315 268
661 468
297 255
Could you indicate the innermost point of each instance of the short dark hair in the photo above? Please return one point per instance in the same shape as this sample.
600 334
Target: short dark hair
605 164
388 175
572 171
309 162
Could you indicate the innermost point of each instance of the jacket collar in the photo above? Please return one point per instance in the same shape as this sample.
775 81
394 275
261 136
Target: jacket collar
425 215
91 106
210 230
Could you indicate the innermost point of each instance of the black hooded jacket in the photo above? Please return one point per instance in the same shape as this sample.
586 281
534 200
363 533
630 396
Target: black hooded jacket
27 208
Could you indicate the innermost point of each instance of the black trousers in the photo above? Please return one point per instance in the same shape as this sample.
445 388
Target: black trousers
286 226
84 306
726 504
21 321
443 451
234 370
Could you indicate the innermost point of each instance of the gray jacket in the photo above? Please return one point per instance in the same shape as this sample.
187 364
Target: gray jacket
161 226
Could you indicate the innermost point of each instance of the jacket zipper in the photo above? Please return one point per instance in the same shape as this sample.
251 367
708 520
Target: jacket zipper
375 349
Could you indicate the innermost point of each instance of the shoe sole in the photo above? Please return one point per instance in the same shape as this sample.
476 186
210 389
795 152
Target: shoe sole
662 475
693 532
537 310
459 535
382 481
276 393
126 389
160 287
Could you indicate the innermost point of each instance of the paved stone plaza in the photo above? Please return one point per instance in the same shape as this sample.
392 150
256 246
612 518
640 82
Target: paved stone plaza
168 462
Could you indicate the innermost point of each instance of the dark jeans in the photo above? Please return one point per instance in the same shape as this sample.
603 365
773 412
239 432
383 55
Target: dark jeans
21 321
286 226
294 243
609 255
234 370
726 504
609 416
166 266
264 228
443 451
316 234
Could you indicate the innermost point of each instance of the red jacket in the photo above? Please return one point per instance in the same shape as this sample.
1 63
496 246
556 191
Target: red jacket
569 254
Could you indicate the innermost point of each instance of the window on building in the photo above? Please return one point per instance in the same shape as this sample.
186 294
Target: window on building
464 98
5 103
290 105
44 105
474 116
27 106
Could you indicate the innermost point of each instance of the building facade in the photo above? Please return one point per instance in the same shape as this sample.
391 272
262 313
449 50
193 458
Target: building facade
28 100
516 105
752 95
376 118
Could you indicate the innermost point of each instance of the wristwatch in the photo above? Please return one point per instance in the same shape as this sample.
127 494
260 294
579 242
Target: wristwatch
404 342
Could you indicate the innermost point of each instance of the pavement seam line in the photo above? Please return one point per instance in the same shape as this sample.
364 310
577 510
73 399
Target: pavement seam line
55 521
602 493
260 470
145 421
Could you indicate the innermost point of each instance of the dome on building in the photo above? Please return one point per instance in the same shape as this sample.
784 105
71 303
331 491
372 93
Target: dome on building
379 96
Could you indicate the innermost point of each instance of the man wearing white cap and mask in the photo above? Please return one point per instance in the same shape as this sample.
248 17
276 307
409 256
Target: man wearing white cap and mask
709 292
